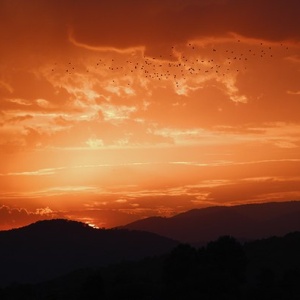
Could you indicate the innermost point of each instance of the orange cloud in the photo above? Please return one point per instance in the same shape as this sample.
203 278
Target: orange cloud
17 217
134 108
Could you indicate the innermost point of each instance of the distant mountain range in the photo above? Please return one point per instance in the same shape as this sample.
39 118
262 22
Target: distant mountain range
47 249
244 222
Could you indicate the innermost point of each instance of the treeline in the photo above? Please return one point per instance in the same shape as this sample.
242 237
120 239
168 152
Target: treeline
223 269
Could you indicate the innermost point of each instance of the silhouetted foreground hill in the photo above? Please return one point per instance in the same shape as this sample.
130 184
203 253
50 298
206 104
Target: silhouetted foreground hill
223 269
244 222
47 249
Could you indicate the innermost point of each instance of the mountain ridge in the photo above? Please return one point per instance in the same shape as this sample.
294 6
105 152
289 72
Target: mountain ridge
248 221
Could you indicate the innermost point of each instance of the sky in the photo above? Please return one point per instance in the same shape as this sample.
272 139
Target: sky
113 111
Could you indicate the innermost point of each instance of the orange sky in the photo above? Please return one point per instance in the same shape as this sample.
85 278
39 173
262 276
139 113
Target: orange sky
111 111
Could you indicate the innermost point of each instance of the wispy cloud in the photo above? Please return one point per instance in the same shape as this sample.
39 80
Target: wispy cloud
42 172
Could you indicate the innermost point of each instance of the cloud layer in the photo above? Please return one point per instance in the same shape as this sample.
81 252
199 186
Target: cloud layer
133 108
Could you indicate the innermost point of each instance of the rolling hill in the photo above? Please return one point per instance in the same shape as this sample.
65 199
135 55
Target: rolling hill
47 249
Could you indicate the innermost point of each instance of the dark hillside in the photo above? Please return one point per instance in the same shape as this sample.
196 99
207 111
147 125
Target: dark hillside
47 249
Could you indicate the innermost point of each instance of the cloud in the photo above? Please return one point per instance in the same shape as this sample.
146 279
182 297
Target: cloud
293 92
20 118
177 98
126 194
11 217
123 108
257 190
4 85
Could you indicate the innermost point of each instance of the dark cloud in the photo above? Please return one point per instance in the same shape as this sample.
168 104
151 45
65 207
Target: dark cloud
154 24
133 23
31 26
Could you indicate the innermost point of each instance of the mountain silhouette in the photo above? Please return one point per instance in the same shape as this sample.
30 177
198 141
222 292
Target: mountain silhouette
244 222
47 249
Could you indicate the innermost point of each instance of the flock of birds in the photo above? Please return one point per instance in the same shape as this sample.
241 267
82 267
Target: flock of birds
178 67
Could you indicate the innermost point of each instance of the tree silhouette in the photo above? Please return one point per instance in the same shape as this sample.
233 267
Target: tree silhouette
227 254
291 284
180 273
219 269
